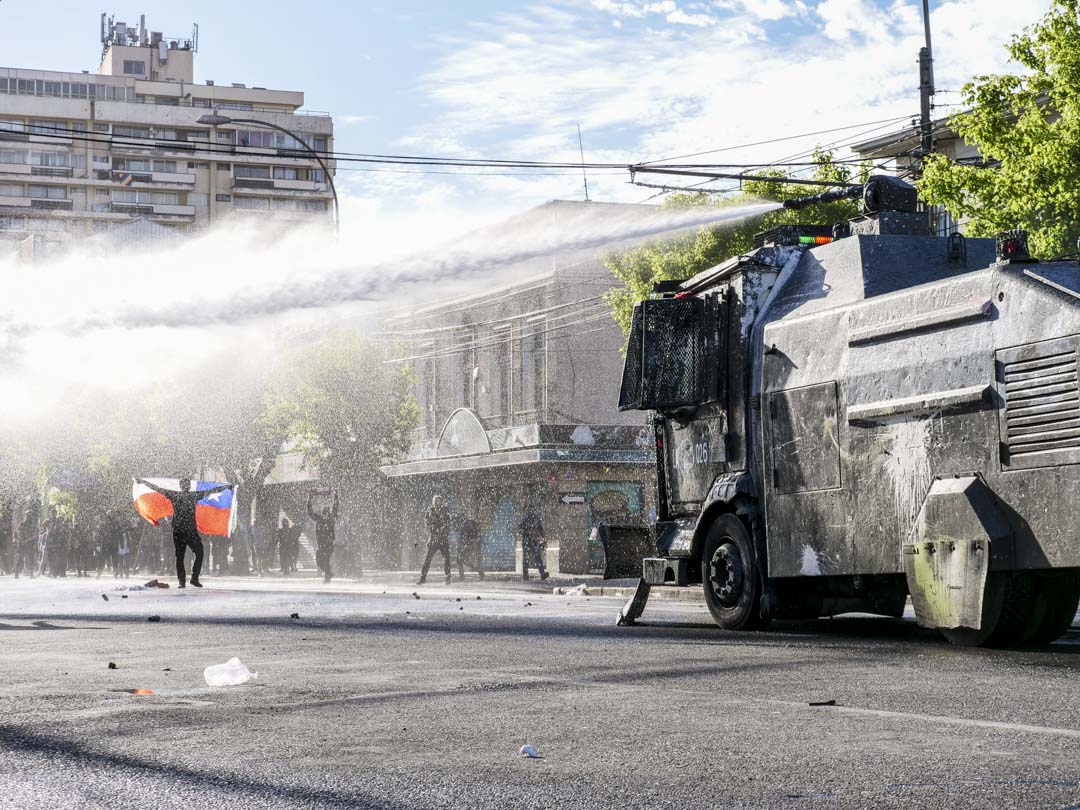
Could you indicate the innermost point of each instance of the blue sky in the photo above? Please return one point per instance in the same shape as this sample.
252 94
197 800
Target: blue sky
646 79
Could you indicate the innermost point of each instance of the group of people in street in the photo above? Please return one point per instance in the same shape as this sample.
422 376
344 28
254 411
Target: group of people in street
438 521
56 546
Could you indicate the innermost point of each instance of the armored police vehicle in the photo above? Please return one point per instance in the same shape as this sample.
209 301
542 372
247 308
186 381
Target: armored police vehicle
847 416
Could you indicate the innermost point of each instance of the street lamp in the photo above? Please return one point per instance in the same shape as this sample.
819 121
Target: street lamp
217 120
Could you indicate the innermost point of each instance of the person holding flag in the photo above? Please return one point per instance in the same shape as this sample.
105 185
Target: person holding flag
185 531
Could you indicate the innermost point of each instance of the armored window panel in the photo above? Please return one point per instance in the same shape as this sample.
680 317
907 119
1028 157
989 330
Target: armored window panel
1040 417
805 443
630 393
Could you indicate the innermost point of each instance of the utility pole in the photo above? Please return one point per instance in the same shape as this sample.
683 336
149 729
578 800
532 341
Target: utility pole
926 90
581 151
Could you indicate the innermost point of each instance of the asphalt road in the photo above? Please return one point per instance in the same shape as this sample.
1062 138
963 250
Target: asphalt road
373 699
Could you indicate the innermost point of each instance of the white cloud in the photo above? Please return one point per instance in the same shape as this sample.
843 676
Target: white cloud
349 120
517 85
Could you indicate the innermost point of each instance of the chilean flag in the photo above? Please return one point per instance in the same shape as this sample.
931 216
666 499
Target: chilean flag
213 515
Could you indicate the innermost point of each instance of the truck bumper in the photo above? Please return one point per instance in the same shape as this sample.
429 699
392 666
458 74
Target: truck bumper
666 571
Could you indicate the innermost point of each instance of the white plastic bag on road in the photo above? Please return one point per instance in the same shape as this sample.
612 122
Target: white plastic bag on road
232 673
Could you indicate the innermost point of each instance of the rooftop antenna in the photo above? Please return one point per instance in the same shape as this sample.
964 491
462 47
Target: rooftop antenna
581 151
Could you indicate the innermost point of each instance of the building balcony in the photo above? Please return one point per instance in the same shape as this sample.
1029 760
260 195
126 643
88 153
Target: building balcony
174 210
182 178
290 187
52 171
15 168
51 205
14 202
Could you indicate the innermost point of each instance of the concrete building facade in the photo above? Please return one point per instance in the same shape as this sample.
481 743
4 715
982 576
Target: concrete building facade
519 389
81 152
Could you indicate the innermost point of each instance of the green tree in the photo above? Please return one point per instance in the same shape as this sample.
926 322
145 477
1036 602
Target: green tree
1026 126
638 268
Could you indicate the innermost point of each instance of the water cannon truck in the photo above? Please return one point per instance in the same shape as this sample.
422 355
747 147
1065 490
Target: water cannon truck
849 416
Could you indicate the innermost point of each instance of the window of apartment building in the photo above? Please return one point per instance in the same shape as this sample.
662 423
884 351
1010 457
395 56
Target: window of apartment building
198 164
253 203
255 137
317 175
224 167
254 172
48 127
168 101
198 200
233 105
132 165
60 159
13 155
166 166
167 135
223 197
12 126
286 173
197 135
200 102
101 192
78 126
321 144
131 132
225 135
11 190
99 127
133 67
133 196
47 192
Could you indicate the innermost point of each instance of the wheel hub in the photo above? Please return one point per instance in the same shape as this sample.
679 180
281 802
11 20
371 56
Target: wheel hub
726 574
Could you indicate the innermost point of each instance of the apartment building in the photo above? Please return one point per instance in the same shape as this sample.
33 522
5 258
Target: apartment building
83 152
519 388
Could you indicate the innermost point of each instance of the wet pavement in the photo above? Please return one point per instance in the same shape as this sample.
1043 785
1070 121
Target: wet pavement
374 697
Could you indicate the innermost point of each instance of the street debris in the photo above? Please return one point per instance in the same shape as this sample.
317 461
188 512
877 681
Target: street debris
294 615
528 751
231 673
478 598
580 590
142 691
153 618
133 588
821 703
112 665
415 595
123 596
103 596
155 583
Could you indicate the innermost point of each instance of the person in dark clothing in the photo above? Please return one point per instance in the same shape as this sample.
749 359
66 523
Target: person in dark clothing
324 516
469 547
532 543
55 538
108 543
184 531
26 538
437 518
288 541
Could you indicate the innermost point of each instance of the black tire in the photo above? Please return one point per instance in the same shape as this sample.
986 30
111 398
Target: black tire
1063 599
731 576
1012 612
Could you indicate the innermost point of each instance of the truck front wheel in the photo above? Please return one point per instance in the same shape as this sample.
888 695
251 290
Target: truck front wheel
730 575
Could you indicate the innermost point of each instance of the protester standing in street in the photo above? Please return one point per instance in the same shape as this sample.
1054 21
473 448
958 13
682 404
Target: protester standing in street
288 541
469 547
324 516
26 544
184 530
437 519
55 539
532 542
122 559
7 534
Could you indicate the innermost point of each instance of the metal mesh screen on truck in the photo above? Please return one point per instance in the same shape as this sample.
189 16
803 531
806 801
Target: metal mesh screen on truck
664 365
630 393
